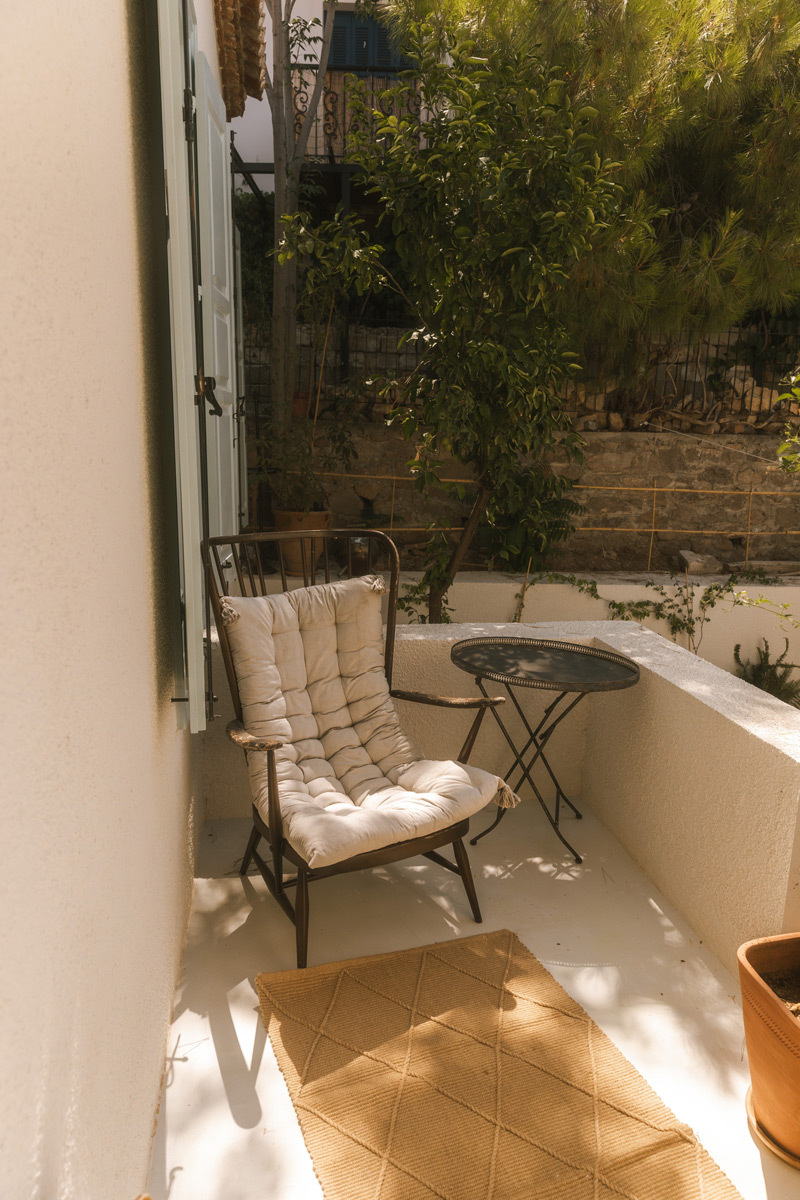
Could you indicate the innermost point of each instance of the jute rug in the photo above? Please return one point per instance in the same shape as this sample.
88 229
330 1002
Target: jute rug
462 1070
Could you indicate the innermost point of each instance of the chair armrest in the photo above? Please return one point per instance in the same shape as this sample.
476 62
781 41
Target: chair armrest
237 733
448 701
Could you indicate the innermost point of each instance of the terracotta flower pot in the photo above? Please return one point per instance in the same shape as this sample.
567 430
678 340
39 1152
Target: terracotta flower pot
293 550
300 403
773 1044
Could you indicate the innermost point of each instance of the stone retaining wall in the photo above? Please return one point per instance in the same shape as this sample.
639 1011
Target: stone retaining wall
726 477
621 529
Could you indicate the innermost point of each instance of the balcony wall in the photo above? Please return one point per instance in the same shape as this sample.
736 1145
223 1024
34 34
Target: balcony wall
696 773
698 776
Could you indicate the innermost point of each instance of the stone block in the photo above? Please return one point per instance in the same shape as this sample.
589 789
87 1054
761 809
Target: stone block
749 477
566 470
698 564
592 422
762 400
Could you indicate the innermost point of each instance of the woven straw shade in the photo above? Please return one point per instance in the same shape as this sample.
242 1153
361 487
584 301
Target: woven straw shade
242 52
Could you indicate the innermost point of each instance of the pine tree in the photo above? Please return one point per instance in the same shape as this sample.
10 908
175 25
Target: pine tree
697 103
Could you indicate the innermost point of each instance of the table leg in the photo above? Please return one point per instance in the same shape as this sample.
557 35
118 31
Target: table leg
538 738
501 812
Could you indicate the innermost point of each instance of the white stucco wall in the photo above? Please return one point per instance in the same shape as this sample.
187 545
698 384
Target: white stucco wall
203 11
695 772
96 782
698 775
480 597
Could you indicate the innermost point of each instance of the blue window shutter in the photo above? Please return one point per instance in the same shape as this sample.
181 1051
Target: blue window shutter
362 44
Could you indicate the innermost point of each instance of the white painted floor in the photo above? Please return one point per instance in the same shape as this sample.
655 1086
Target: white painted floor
227 1129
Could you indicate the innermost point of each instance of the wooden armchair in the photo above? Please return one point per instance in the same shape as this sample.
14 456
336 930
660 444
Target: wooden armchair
337 786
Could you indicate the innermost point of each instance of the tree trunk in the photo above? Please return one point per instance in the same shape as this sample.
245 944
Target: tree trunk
281 366
438 591
288 152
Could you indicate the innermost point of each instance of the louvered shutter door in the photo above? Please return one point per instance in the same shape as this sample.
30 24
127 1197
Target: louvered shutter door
216 271
179 256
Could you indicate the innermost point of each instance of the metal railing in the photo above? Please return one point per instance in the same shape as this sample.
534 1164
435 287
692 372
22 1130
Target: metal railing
334 117
740 372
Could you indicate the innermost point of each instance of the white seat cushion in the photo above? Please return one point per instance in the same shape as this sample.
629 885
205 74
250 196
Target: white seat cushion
309 665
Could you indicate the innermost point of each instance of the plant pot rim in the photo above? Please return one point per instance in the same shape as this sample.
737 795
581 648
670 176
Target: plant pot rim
312 512
775 939
771 937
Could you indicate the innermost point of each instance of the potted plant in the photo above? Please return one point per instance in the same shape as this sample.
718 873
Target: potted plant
292 468
769 973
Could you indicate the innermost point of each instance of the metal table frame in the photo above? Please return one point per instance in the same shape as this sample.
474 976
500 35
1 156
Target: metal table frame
553 716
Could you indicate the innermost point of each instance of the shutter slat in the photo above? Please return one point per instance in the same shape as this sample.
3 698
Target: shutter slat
338 54
383 51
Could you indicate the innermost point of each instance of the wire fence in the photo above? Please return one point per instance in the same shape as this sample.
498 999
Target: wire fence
740 373
649 512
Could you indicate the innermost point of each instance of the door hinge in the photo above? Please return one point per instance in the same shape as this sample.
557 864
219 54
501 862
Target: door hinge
188 114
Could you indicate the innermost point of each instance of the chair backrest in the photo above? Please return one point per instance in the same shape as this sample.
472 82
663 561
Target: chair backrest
242 565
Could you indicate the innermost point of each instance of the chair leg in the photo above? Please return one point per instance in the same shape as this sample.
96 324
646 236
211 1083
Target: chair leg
465 871
301 916
255 837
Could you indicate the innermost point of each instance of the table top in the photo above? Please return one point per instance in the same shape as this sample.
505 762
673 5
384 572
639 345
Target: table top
540 663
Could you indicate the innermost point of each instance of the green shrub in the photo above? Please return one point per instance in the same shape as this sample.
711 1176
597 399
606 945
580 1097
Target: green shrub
773 677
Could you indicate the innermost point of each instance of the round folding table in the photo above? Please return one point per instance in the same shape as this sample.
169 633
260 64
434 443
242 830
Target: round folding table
570 669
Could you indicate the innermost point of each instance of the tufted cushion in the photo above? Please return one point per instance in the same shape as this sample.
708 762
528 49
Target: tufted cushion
309 664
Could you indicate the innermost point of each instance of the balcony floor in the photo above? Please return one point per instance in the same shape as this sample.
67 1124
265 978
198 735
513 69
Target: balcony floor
227 1129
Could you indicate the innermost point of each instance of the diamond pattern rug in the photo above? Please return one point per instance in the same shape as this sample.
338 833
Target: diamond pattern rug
462 1070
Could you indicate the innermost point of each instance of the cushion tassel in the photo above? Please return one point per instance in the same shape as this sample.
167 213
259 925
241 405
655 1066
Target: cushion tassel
229 613
505 798
377 583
